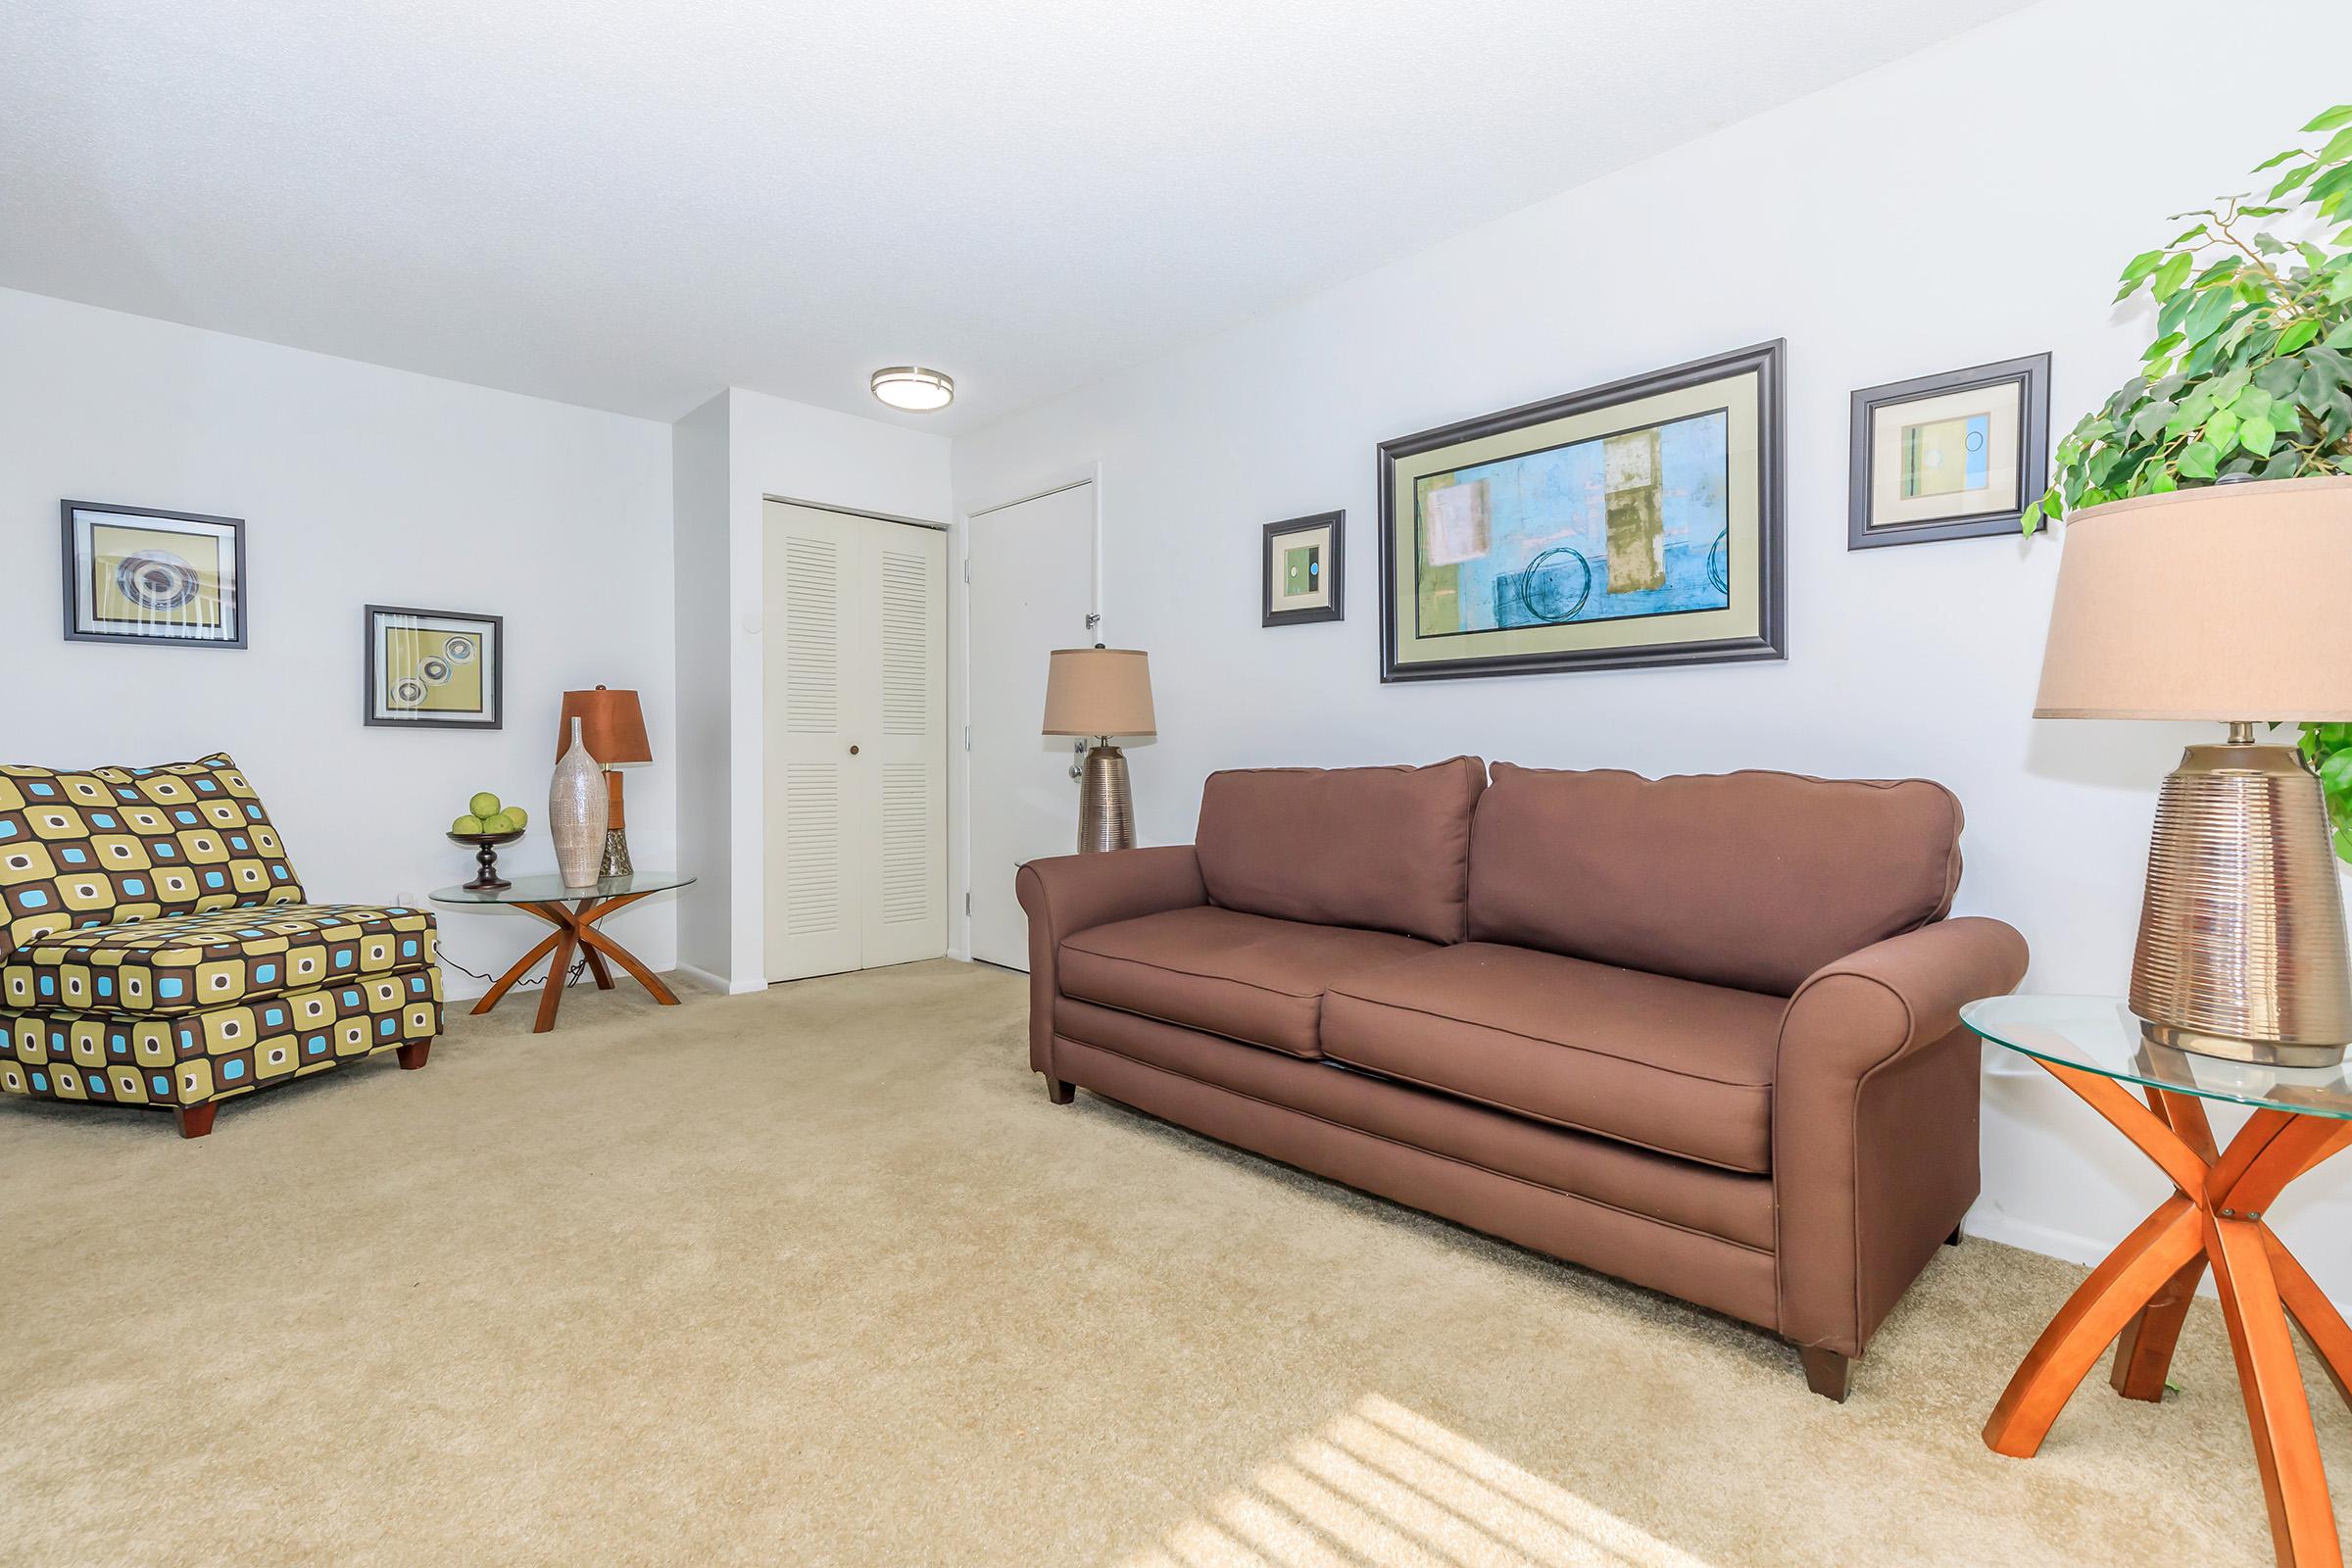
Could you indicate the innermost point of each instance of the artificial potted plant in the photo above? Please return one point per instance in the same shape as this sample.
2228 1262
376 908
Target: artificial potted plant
2250 375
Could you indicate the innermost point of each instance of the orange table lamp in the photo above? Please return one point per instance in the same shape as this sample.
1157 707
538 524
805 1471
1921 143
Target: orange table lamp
612 728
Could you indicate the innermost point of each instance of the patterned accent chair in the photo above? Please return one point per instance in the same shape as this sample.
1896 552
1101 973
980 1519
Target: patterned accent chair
156 950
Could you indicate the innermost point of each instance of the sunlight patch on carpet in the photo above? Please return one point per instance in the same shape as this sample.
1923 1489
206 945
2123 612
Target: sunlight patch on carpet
1382 1484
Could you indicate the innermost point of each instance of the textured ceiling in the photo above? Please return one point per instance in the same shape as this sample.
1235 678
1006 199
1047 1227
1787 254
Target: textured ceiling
632 206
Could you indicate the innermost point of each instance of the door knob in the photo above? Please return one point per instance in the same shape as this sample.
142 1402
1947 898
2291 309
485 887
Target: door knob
852 751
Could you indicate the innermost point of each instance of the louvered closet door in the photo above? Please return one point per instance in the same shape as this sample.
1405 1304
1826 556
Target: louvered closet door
856 756
903 786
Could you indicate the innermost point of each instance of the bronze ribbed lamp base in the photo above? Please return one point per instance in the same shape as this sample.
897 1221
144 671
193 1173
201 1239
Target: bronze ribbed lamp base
1106 809
2241 949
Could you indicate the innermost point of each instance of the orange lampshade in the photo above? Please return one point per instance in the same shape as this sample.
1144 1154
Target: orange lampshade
611 726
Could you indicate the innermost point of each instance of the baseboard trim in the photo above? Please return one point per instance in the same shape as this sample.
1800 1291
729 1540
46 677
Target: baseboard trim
733 988
2067 1247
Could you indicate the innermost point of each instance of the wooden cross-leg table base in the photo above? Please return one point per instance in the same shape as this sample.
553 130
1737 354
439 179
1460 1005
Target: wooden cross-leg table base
2137 1299
576 932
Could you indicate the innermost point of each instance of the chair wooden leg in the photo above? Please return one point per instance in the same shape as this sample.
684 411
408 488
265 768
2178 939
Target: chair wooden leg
1826 1371
1059 1093
414 1053
196 1120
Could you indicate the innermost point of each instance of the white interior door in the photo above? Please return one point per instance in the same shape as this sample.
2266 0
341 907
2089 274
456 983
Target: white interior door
855 773
1032 588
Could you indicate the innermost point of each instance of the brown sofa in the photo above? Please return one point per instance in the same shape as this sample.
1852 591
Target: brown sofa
1699 1033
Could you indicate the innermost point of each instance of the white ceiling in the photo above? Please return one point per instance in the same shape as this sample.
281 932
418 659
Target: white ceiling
631 206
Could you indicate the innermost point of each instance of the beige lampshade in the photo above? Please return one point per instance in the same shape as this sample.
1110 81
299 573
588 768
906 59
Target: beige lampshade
2223 603
1099 691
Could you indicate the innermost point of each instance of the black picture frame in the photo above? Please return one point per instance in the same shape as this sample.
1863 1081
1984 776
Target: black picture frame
1335 569
1768 363
2032 372
70 566
497 675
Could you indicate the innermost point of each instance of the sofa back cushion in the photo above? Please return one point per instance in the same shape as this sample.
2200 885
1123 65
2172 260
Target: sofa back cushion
108 846
1752 880
1387 848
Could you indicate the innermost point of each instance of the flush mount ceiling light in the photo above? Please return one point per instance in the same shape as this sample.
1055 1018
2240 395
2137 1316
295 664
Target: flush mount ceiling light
913 388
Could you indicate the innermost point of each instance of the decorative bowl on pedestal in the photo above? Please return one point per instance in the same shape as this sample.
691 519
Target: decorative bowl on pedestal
485 854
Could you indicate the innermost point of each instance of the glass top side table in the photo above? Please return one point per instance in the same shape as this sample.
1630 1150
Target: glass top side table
2137 1299
574 912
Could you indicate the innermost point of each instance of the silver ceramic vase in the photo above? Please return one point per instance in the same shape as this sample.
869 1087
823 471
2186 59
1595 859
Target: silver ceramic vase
577 810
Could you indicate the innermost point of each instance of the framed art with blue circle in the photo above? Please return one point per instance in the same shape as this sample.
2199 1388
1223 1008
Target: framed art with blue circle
1956 455
134 575
1300 571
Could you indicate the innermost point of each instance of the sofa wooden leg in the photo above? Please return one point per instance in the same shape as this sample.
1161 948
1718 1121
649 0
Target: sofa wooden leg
413 1055
1953 1240
1826 1371
196 1120
1059 1093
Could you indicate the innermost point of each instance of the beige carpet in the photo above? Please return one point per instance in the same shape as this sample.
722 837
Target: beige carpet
820 1277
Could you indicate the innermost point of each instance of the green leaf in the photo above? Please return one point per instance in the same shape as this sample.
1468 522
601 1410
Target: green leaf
2221 430
2172 274
2341 339
2340 146
2031 519
2198 461
2187 234
2254 402
2163 345
2337 772
2276 159
2298 334
2151 419
2329 119
2163 484
2255 435
2227 389
2141 265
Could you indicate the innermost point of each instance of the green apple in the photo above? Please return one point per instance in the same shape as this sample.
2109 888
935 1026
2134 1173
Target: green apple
466 824
517 815
501 823
484 805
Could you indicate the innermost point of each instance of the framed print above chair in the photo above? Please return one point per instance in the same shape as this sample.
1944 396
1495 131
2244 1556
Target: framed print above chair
1301 569
1948 457
135 574
435 669
1624 526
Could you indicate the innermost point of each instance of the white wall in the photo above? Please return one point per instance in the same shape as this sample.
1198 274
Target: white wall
357 485
735 452
1970 203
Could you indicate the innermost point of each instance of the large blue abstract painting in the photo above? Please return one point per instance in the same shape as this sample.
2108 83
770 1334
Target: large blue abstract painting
1632 523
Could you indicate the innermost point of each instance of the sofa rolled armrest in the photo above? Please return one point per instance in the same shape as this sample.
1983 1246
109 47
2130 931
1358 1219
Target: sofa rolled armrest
1066 894
1874 1136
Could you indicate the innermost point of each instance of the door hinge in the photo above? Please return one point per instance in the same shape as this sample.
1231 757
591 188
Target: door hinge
967 903
968 737
967 569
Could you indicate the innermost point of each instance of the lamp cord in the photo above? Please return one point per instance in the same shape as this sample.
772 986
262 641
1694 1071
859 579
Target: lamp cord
571 975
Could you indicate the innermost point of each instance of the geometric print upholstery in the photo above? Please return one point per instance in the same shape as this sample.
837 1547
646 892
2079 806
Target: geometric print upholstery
191 1058
225 957
111 846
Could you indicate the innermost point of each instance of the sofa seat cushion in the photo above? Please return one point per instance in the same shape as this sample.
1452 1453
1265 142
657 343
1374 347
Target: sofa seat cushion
1667 1065
1244 976
225 957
